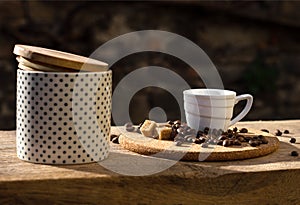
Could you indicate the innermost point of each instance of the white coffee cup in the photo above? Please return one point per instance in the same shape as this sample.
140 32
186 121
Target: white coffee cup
213 108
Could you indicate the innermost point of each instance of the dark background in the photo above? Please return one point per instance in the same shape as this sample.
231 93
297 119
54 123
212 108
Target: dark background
254 45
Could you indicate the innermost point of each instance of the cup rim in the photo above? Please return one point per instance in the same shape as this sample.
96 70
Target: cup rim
210 93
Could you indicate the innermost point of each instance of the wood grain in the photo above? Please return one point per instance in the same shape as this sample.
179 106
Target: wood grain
59 58
271 179
193 152
25 64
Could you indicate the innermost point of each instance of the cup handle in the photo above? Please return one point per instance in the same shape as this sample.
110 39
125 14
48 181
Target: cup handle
244 112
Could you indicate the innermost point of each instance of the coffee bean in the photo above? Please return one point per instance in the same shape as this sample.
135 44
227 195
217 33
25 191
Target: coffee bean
115 140
258 142
198 141
177 122
199 134
247 138
178 143
202 139
224 133
263 139
130 129
278 133
206 129
294 153
237 142
176 126
235 129
264 130
220 142
229 131
170 122
292 140
243 130
222 137
204 145
286 132
113 136
241 138
226 143
128 124
173 134
253 143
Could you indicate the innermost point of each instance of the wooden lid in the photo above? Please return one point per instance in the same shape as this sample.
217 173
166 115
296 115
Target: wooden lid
33 66
59 58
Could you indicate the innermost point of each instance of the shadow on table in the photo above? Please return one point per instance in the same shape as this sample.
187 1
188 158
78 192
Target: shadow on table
251 173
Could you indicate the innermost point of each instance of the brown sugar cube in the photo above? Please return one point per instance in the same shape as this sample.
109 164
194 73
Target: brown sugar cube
165 133
148 127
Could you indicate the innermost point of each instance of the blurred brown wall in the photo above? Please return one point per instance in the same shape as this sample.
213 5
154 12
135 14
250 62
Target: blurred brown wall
254 45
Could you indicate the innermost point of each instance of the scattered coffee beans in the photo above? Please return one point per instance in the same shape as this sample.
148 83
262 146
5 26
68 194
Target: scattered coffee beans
293 140
226 143
129 127
113 136
115 140
128 124
182 133
197 141
263 139
243 130
253 143
265 130
294 153
185 134
278 133
286 132
237 142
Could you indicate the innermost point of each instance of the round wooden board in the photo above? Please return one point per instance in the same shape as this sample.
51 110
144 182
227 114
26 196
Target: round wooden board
59 58
193 152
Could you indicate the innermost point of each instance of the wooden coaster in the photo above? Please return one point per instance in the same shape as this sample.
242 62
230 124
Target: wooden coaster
60 59
32 66
193 152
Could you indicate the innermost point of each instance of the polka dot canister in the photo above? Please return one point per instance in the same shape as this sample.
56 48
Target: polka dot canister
63 117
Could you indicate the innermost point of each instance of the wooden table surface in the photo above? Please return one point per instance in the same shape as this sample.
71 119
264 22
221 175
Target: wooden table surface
272 179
